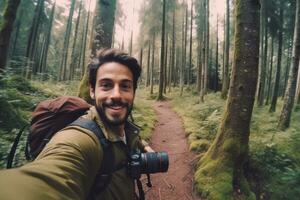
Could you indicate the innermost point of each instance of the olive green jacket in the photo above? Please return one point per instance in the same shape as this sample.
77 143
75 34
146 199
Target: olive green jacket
67 167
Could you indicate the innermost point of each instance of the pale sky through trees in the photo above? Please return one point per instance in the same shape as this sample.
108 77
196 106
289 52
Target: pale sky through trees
131 9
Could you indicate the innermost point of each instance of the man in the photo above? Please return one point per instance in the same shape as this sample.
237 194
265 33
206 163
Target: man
67 167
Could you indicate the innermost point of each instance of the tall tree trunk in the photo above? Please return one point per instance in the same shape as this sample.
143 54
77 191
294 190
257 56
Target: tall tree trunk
103 24
141 59
225 81
148 65
173 52
224 161
166 63
287 68
191 45
183 54
130 43
286 112
17 28
162 55
270 71
33 38
278 67
6 28
102 37
204 50
83 42
207 49
65 51
44 56
216 81
152 64
263 54
74 55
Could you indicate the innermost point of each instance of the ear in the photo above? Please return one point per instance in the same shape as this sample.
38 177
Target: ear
92 92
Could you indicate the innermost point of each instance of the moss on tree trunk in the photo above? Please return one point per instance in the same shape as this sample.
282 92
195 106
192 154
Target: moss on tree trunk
220 174
102 38
6 28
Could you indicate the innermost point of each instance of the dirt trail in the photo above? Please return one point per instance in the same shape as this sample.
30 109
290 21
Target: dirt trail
169 136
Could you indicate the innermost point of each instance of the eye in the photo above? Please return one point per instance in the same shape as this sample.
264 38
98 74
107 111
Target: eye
106 85
126 86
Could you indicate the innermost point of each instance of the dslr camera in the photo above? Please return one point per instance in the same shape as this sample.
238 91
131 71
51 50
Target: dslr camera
147 163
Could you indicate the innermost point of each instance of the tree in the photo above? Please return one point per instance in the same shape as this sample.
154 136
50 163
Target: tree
33 38
225 81
220 174
286 112
216 79
278 67
104 25
162 55
64 58
6 27
44 56
102 37
263 54
74 55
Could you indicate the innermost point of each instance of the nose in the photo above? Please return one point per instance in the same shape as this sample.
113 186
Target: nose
116 94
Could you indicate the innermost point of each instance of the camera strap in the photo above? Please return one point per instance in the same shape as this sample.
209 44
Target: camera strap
140 189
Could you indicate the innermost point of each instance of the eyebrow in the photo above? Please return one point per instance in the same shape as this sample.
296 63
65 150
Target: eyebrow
108 79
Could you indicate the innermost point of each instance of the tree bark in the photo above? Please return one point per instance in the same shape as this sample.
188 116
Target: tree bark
270 71
278 67
64 58
286 112
6 28
32 40
102 38
162 55
148 65
225 81
216 80
221 173
74 54
263 54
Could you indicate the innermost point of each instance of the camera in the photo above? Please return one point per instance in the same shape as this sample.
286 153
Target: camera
147 163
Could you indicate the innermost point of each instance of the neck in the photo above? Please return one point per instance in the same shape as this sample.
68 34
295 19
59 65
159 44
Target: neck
119 130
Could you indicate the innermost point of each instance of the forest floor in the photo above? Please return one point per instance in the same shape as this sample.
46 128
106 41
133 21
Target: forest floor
169 136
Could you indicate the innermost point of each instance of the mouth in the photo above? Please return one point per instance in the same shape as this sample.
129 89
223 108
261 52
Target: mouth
116 107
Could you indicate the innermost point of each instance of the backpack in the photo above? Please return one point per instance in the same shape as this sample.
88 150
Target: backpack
52 115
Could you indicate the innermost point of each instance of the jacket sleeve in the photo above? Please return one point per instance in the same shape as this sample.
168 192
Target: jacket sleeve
65 169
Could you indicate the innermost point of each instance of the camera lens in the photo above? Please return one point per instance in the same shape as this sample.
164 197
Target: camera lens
154 162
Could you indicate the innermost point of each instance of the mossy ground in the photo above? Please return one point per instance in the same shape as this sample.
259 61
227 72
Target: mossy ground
273 169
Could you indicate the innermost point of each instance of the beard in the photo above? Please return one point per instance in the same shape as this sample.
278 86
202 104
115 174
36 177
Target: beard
113 120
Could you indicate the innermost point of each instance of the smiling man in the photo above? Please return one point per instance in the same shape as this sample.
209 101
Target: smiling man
73 164
113 77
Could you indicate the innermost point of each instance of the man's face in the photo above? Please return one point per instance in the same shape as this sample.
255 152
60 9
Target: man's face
113 93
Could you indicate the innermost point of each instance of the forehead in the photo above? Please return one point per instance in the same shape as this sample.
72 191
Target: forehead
115 71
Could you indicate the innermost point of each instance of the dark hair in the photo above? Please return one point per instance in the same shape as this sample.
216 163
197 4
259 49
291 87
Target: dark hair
113 55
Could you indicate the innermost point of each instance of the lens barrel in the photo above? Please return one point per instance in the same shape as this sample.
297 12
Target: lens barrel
153 162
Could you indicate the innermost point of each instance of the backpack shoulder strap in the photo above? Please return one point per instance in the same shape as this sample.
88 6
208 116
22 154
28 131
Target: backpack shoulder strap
107 167
92 126
108 156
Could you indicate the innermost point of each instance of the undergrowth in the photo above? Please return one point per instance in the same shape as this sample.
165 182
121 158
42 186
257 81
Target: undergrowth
273 167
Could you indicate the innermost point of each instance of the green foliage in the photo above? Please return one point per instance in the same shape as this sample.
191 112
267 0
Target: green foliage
274 157
143 113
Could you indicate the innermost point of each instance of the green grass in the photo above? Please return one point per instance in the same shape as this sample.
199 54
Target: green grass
274 165
143 113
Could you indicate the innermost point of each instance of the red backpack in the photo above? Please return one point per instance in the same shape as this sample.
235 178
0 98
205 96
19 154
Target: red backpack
52 115
49 117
